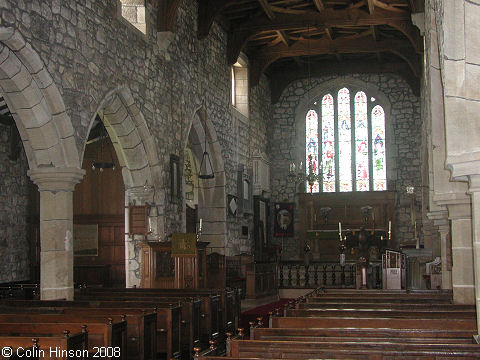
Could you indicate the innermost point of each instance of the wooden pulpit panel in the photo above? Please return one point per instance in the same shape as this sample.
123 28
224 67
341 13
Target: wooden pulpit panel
138 219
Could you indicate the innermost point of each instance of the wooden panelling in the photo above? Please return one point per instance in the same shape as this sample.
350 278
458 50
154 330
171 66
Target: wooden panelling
100 193
99 199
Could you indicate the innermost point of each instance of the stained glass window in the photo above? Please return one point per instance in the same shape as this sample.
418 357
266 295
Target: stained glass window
311 158
344 141
361 142
328 143
342 170
378 149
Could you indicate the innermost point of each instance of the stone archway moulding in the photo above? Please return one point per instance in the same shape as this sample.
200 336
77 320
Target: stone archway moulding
131 138
54 165
36 105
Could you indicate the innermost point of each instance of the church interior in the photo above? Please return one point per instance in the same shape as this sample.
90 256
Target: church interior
240 179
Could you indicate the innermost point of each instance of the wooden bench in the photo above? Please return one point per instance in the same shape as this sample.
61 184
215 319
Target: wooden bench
351 350
194 322
141 327
462 336
378 305
168 317
76 343
100 335
206 323
230 300
424 314
374 323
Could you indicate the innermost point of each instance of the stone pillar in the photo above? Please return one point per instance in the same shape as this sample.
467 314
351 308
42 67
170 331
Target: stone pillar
56 229
462 257
440 219
474 190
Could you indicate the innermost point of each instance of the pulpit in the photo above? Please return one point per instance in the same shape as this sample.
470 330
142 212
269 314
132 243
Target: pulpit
161 270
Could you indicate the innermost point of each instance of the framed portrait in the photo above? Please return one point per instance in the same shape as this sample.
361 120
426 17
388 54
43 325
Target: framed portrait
283 222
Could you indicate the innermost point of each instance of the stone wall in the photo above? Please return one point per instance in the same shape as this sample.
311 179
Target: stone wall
90 50
404 145
13 213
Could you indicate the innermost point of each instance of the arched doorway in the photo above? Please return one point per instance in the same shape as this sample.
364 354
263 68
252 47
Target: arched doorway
139 166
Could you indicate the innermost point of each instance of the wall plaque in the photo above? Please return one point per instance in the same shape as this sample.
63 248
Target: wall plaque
184 245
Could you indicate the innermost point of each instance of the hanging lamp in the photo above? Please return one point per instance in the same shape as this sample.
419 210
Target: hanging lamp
206 168
100 162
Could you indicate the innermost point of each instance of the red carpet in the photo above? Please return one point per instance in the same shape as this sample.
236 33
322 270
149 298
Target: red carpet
260 311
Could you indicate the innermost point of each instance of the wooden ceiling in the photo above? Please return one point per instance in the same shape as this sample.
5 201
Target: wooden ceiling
294 39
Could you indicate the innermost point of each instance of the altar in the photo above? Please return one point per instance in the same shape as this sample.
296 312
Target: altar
348 228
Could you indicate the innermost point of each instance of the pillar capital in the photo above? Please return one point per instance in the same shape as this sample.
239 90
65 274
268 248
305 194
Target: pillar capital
460 211
56 179
473 184
139 194
440 219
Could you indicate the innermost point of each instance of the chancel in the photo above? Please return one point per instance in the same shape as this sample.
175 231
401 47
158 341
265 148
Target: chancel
179 175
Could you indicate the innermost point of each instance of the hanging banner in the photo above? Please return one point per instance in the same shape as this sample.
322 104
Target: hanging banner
283 222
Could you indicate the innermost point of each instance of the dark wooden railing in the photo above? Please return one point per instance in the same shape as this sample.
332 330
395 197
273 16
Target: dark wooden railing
295 274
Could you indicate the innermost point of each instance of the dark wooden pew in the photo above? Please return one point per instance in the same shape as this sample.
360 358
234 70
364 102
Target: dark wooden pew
206 324
76 343
374 323
141 327
406 314
195 325
100 334
230 308
351 350
168 317
379 305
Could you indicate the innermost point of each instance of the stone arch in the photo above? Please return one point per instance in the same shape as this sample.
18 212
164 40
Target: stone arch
36 105
139 161
333 86
131 138
212 198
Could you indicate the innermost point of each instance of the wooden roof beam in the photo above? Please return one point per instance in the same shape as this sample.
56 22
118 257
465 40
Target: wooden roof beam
266 9
267 56
284 37
329 18
371 6
319 5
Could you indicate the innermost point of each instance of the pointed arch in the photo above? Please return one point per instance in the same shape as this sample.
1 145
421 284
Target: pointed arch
131 138
36 105
212 192
138 157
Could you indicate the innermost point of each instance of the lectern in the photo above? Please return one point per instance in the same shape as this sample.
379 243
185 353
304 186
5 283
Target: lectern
161 270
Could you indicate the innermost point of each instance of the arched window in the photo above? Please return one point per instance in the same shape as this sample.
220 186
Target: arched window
346 131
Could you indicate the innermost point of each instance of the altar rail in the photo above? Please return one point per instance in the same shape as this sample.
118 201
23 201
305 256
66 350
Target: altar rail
295 274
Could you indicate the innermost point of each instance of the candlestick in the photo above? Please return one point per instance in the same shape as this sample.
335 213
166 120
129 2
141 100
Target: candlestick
339 227
200 226
389 229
